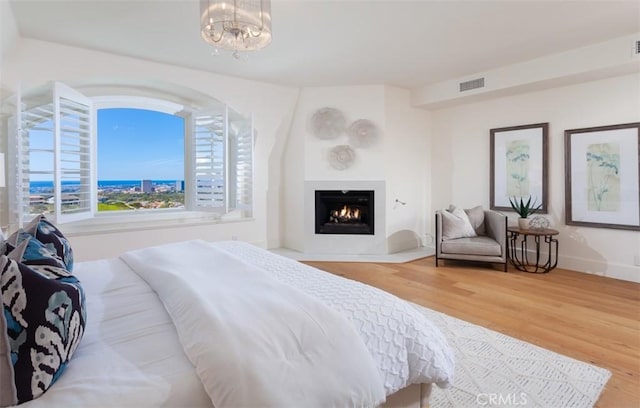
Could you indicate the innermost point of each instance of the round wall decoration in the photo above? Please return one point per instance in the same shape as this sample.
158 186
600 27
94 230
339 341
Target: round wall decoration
362 133
341 157
327 123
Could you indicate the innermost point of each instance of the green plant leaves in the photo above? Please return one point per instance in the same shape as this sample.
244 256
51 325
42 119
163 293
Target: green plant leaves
524 209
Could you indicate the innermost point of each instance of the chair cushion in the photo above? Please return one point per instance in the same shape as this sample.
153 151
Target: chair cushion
476 217
481 245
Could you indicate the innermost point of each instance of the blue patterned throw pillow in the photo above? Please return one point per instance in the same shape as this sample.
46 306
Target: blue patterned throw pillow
42 322
40 257
47 233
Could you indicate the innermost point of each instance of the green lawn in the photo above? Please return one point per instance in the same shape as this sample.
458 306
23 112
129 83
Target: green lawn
113 206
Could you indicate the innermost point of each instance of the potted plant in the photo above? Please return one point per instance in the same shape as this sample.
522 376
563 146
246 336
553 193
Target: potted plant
524 210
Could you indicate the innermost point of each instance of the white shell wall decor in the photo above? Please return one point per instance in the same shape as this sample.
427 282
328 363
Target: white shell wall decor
362 133
327 123
538 223
341 157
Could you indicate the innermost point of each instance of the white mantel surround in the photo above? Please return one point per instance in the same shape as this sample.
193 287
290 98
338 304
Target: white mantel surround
345 244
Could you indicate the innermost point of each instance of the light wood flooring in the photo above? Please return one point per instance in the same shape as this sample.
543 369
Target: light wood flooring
586 317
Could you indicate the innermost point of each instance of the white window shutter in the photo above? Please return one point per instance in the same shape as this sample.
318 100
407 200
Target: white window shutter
241 143
53 139
74 152
208 150
32 142
19 209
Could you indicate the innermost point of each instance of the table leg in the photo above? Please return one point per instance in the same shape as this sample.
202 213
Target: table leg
523 263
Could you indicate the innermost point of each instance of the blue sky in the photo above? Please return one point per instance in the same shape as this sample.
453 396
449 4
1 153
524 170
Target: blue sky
139 144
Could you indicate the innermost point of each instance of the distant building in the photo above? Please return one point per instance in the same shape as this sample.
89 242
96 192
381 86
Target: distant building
179 185
36 199
146 186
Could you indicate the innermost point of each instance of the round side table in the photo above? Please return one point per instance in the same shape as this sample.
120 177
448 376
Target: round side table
530 259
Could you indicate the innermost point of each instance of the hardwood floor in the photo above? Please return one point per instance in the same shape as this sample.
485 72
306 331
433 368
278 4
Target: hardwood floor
587 317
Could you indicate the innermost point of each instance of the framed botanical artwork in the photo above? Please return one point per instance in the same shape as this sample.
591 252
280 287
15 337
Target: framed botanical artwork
519 165
602 171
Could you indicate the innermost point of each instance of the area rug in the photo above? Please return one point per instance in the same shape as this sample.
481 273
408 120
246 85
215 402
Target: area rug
493 369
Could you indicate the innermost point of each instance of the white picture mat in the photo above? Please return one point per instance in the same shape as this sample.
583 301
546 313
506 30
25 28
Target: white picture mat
629 213
501 141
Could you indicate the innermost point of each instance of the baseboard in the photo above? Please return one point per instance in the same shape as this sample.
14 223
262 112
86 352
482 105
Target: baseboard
594 267
397 257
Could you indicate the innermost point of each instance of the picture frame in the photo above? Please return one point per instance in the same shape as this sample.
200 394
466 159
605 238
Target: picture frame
602 176
519 165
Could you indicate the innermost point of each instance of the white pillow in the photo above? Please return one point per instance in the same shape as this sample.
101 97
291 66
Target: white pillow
456 224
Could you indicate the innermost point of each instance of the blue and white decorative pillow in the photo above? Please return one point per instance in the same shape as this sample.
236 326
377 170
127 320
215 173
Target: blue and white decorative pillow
47 233
24 248
42 322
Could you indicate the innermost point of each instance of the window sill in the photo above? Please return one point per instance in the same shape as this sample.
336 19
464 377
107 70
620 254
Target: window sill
116 223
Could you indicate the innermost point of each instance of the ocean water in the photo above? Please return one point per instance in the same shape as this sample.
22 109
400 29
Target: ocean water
44 186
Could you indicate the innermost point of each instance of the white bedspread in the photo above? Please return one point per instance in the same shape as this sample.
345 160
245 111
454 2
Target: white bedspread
256 341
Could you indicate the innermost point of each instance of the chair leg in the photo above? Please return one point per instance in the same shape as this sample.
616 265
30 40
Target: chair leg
505 266
436 261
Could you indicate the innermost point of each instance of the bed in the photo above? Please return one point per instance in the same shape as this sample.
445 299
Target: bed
229 324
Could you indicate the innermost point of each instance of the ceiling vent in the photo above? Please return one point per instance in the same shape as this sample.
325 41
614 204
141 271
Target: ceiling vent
473 84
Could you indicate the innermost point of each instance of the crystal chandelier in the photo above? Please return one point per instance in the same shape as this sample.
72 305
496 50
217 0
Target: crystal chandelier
238 25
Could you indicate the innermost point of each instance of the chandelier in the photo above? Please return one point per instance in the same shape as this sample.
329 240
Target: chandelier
238 25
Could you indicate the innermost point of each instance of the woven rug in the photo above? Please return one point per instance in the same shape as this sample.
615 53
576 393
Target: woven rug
494 370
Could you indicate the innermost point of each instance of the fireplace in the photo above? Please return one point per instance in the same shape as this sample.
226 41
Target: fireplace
344 212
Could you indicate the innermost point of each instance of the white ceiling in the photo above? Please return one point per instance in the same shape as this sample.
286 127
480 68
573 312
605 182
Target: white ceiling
348 42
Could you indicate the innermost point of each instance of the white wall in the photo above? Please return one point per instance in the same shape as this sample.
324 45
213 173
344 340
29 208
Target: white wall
407 164
398 158
460 161
37 62
596 61
8 36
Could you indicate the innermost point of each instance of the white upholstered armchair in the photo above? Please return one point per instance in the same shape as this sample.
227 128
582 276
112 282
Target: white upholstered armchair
475 234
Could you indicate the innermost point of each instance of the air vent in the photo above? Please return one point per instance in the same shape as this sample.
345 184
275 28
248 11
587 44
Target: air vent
473 84
636 47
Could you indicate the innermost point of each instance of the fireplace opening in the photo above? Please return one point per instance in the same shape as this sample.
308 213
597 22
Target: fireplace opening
344 212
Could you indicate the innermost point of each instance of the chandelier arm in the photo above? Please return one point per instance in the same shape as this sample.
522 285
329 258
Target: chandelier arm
211 34
235 11
213 38
261 21
256 34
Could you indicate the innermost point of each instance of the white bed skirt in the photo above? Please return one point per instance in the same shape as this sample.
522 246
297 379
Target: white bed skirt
413 396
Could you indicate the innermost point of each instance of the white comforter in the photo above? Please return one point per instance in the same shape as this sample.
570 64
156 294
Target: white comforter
256 341
407 347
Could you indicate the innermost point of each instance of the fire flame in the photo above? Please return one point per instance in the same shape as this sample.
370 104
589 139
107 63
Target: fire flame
349 213
345 214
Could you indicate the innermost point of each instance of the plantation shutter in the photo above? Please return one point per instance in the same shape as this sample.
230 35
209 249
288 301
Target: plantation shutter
19 209
75 186
208 158
241 144
52 143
